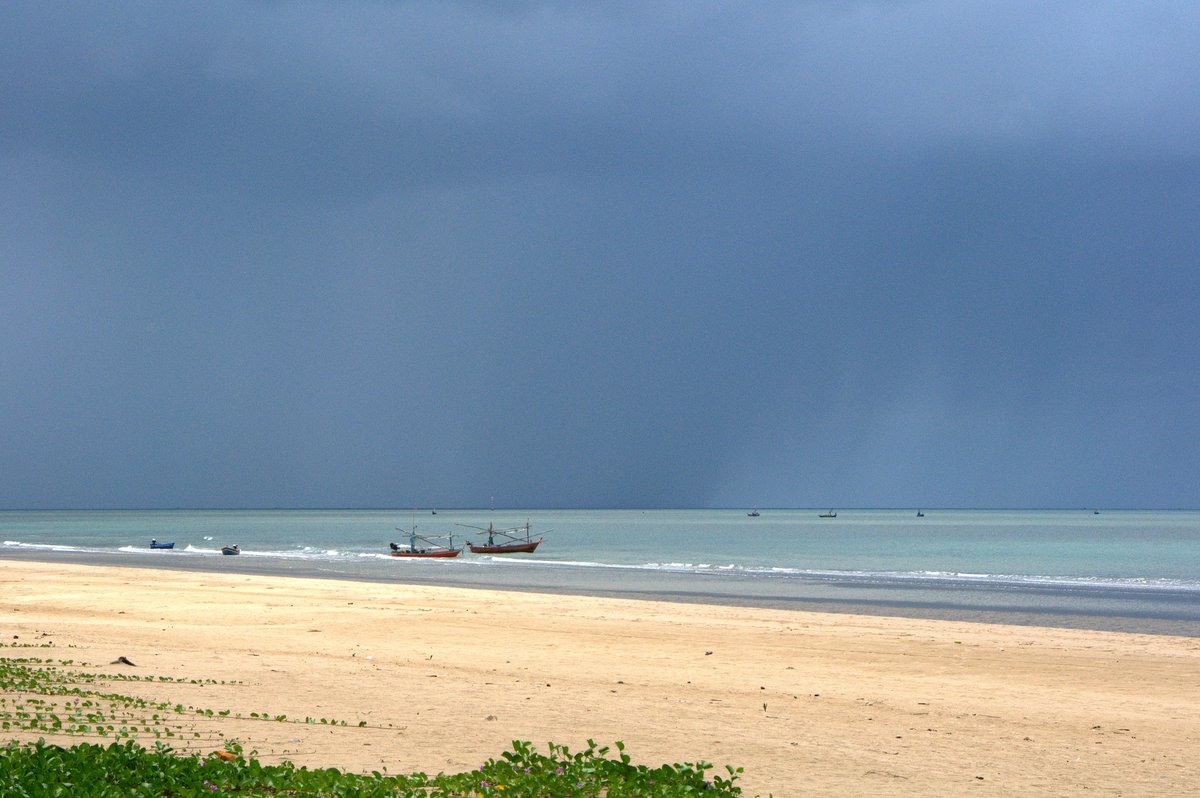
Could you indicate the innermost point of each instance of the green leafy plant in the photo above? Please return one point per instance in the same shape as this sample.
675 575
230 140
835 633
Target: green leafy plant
89 770
39 696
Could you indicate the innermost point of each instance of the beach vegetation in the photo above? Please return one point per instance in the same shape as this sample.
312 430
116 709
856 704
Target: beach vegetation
126 769
117 747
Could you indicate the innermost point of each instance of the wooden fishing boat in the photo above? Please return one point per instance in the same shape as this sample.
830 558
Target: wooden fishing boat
425 546
830 514
231 550
514 540
154 544
435 552
513 547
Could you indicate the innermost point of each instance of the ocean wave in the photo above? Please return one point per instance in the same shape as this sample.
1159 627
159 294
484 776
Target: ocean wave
357 558
923 577
16 544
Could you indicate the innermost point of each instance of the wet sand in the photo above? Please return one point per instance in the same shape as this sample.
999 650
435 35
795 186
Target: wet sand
808 703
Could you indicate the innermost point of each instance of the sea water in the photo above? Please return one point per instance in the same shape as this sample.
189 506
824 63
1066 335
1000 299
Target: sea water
1127 570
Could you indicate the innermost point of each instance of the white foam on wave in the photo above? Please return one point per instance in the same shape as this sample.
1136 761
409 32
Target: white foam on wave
16 544
1012 580
916 578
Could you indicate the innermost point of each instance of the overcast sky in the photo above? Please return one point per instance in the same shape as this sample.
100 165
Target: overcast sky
558 254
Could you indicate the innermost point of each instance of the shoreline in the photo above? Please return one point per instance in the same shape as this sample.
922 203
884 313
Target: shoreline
807 703
1142 612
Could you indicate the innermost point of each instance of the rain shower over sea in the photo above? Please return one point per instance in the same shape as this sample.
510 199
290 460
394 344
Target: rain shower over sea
1126 570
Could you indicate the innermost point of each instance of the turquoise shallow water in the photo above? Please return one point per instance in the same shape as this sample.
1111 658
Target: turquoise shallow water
1114 569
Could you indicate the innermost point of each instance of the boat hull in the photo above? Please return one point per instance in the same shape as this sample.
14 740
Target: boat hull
439 553
162 545
523 547
229 550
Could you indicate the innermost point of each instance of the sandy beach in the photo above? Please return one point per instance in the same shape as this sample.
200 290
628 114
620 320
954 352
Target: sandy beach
807 703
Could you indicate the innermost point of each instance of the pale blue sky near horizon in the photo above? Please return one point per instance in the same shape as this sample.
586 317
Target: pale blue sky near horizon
549 254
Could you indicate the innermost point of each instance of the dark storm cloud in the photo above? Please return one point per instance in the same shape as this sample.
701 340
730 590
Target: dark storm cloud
398 93
430 253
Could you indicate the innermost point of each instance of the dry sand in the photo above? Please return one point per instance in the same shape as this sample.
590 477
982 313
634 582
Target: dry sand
807 703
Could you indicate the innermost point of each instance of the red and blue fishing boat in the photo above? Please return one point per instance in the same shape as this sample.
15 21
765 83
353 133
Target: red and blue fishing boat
425 546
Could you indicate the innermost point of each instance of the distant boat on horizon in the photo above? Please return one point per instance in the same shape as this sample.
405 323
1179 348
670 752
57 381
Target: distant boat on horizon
753 513
920 514
830 514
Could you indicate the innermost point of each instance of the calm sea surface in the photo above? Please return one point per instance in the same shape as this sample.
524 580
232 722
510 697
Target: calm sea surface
1121 570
